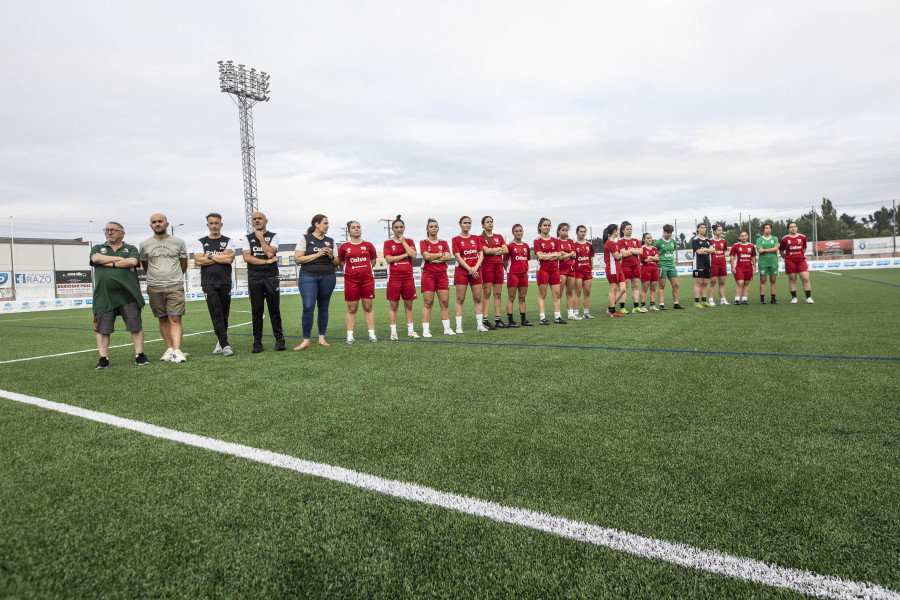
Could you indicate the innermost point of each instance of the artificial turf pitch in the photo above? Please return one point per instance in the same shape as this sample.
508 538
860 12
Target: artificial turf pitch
767 432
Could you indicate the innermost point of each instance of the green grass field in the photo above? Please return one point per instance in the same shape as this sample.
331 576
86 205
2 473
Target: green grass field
702 427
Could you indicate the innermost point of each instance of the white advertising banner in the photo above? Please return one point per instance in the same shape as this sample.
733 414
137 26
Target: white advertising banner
35 285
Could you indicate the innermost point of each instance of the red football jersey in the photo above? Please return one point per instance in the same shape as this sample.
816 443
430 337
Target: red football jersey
402 268
547 247
584 254
494 241
744 254
357 260
519 254
717 252
623 243
430 247
566 245
648 252
794 247
468 248
612 265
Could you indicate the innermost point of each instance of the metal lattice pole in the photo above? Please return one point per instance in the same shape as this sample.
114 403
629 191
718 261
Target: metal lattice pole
248 157
246 88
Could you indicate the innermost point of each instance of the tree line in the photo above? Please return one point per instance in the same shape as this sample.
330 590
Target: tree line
829 226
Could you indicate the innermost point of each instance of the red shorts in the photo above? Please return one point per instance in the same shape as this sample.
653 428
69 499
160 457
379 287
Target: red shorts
795 266
615 278
401 288
566 268
548 277
586 275
745 274
354 290
631 272
650 273
435 280
718 271
517 279
492 272
461 277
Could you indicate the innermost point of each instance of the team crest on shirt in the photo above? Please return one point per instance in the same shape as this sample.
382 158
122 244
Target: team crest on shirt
223 244
103 250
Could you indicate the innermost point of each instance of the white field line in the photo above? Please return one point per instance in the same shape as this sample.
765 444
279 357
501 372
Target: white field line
711 561
42 318
832 273
94 349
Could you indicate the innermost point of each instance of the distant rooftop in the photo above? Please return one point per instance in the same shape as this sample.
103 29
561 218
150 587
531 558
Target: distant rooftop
45 241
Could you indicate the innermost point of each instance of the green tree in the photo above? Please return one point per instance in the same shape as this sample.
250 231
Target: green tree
882 221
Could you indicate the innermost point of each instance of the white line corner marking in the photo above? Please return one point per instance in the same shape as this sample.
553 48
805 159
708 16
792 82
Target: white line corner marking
711 561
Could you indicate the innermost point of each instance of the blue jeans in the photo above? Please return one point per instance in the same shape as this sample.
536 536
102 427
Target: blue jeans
315 289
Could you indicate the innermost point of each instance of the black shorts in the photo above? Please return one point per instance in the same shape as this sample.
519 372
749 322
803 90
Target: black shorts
104 323
701 274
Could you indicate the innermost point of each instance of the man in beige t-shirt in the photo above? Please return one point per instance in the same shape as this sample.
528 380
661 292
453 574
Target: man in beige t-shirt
165 259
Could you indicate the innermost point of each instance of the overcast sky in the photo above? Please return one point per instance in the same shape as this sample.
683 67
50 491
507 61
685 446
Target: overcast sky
587 112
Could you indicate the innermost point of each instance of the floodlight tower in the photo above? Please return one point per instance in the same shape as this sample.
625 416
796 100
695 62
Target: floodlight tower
246 88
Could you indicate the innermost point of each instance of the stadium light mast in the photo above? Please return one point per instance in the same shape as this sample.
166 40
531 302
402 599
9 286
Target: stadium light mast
246 88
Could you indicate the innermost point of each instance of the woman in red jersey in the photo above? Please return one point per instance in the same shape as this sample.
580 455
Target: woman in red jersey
630 251
546 248
567 267
357 258
718 271
584 272
793 251
517 276
436 253
469 255
649 272
613 259
399 252
492 270
743 265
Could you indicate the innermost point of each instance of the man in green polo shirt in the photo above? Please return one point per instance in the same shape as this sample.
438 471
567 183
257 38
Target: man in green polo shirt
666 247
767 249
117 292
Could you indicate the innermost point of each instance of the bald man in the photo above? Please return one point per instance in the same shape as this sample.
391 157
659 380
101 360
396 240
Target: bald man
165 259
262 280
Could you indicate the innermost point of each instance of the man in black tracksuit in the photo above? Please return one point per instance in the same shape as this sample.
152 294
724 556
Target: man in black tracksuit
262 280
214 255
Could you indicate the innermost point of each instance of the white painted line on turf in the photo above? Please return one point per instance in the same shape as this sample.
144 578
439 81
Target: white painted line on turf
94 349
832 273
711 561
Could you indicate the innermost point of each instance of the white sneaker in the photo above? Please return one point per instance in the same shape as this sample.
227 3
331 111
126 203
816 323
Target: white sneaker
227 351
644 309
426 334
414 335
574 318
448 331
167 357
459 329
394 337
218 349
793 301
587 315
654 308
724 302
482 328
178 356
809 301
373 339
712 302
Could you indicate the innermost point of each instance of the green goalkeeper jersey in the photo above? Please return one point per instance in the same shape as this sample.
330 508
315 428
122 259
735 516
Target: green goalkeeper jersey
769 259
666 252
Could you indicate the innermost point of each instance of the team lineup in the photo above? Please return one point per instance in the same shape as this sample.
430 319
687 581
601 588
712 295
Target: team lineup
484 263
